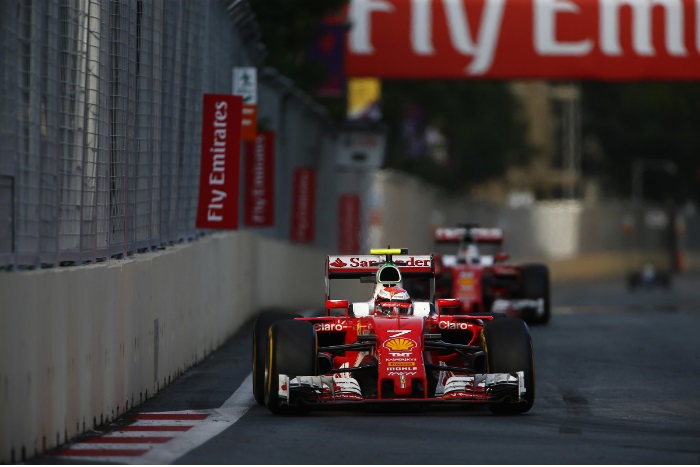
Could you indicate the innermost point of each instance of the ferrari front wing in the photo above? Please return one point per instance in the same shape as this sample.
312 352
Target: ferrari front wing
519 307
333 389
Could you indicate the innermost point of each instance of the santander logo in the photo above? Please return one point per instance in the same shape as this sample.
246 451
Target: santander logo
338 263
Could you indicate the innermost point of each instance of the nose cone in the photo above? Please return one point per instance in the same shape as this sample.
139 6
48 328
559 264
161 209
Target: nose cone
400 356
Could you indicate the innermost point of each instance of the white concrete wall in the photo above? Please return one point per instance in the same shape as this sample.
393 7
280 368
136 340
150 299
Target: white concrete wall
79 346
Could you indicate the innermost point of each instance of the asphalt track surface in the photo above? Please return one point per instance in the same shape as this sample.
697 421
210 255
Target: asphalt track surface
618 382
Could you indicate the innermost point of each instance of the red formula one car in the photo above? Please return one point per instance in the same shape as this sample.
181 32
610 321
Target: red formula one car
488 282
391 349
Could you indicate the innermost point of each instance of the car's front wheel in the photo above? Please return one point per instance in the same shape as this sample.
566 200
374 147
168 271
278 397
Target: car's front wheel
292 351
508 347
260 332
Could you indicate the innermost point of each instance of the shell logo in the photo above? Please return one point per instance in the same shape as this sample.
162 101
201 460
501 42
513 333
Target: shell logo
399 344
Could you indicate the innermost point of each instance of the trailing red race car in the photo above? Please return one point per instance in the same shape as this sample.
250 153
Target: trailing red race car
488 282
390 348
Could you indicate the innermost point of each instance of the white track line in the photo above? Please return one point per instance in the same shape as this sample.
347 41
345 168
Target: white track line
141 434
182 442
108 445
233 409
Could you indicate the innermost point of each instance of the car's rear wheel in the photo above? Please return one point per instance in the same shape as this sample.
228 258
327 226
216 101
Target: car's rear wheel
534 285
508 348
292 351
260 333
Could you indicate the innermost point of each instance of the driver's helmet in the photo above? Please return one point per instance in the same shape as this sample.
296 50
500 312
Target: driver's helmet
392 300
470 254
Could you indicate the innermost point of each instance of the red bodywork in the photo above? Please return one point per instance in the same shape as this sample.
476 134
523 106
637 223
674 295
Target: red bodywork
400 352
477 285
464 282
430 352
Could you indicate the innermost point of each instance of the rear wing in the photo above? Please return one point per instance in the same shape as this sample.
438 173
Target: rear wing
469 235
381 266
359 266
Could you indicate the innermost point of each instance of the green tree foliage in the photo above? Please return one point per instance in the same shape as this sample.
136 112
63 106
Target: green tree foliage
657 120
480 120
289 28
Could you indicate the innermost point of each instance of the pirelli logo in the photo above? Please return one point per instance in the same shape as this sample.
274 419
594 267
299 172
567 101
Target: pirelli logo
400 364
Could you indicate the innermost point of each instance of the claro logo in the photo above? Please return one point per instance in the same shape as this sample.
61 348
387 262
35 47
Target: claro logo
462 326
481 42
328 327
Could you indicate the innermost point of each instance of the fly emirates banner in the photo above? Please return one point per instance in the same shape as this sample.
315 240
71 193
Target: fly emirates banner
518 39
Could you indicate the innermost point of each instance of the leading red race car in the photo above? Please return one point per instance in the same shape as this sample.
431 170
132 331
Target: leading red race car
391 349
488 282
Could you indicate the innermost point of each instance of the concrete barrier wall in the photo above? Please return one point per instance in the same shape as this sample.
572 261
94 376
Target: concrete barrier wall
81 345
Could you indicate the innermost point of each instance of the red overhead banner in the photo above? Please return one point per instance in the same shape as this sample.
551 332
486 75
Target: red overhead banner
259 191
521 39
349 223
220 166
303 205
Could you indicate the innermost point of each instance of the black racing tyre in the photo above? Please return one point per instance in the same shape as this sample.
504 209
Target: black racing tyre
633 280
508 347
260 331
534 284
292 351
487 298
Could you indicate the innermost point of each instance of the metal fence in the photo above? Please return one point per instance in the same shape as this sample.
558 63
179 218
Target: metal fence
100 120
100 128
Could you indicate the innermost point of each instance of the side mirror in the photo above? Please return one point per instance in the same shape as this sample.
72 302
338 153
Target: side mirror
333 307
448 303
501 257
